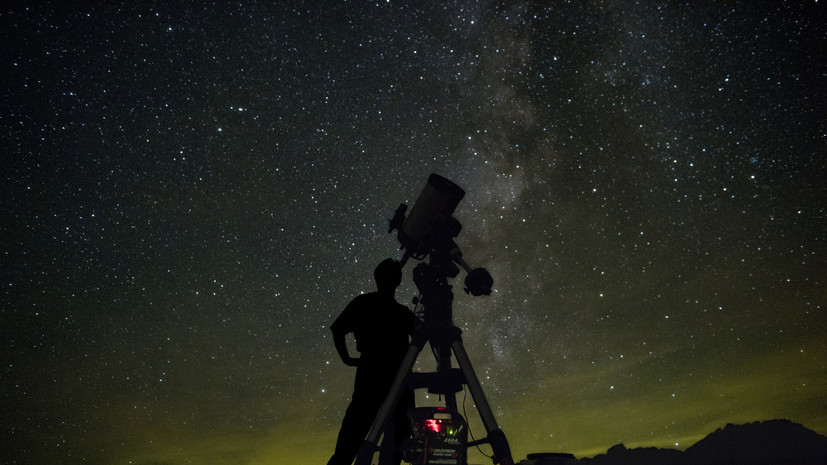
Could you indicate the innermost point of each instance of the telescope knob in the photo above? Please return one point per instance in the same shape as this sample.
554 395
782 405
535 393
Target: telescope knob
478 282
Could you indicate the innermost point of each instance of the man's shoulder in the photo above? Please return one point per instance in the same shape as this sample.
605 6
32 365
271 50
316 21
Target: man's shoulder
369 297
362 297
377 300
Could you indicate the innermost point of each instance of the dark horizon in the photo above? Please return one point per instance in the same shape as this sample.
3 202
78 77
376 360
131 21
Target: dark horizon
191 194
760 443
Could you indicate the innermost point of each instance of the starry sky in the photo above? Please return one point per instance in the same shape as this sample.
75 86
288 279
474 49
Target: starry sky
192 191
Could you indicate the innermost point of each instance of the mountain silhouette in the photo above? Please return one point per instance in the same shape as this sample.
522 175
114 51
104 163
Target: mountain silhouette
769 442
774 442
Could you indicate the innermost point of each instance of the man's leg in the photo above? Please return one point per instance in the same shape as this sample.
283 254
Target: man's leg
359 416
354 428
402 430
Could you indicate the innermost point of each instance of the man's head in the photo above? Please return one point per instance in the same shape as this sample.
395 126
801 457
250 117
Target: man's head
388 275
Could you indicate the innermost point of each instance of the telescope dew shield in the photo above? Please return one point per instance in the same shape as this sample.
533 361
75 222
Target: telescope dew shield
438 200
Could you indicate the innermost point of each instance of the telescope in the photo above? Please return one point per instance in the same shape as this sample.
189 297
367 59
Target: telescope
430 229
439 434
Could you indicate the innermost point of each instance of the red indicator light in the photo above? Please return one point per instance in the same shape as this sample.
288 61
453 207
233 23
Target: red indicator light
433 425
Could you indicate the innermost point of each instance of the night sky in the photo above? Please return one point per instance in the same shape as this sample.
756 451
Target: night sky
192 192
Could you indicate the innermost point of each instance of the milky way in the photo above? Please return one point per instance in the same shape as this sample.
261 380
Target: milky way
191 194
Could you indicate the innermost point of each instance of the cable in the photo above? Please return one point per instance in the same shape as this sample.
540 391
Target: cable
471 433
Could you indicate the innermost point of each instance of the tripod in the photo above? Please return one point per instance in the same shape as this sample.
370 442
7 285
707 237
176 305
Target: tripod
439 330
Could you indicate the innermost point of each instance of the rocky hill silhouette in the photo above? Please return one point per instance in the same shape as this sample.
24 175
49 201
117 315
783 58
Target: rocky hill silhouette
775 442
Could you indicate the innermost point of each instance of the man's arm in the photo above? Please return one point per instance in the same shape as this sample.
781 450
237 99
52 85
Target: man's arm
341 345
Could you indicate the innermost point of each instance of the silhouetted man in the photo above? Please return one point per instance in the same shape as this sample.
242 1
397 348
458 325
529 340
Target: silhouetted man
381 327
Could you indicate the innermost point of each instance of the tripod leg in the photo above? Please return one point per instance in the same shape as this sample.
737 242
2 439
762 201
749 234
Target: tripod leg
368 447
499 444
443 352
